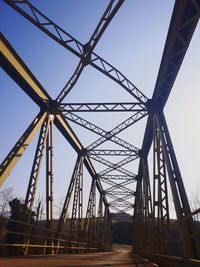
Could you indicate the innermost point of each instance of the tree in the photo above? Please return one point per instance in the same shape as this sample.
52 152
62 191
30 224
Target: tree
16 227
195 202
60 206
39 208
5 197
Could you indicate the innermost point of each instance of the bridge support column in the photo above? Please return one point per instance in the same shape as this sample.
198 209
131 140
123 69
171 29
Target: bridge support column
142 221
32 186
90 230
65 210
160 194
76 223
190 242
49 184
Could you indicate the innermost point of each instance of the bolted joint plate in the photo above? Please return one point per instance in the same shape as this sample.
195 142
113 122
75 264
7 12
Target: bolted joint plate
53 107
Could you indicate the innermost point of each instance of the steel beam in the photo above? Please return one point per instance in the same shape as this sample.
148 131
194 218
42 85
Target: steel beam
119 193
183 23
147 207
72 81
94 128
138 223
76 221
17 151
13 65
102 107
49 175
120 205
121 185
91 212
30 194
110 152
161 219
112 181
182 207
17 69
119 128
111 10
120 201
113 166
99 227
123 198
66 40
68 133
68 197
117 177
109 13
182 26
184 20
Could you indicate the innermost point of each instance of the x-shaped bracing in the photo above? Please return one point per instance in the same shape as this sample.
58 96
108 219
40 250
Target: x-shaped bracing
181 30
22 75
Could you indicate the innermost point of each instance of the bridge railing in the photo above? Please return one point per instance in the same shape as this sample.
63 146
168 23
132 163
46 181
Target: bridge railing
172 255
19 238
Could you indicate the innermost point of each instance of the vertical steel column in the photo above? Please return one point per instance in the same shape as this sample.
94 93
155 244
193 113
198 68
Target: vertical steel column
49 176
80 203
138 232
65 209
30 194
147 206
135 218
76 221
190 242
49 184
64 212
91 212
99 220
160 194
156 195
107 226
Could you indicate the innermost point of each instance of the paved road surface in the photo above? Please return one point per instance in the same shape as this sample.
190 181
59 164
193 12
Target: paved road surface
119 257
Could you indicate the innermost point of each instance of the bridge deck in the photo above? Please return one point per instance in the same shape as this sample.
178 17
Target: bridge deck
120 256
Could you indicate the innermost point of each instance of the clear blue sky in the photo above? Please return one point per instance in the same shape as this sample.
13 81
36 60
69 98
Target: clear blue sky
133 43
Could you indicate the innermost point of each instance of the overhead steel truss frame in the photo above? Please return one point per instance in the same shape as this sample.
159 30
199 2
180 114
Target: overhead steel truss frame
76 47
151 207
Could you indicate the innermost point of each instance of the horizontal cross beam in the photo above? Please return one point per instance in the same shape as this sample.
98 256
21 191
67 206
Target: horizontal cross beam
102 107
110 152
119 193
117 177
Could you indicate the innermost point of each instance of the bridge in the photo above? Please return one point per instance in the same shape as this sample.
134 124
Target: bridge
110 174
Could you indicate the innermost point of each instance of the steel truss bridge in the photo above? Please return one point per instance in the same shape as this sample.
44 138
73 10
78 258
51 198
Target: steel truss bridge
124 191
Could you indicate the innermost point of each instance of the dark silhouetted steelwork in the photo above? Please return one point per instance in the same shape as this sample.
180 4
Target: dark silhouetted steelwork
124 190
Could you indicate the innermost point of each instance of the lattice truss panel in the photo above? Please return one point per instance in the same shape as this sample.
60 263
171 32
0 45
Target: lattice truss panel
118 169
